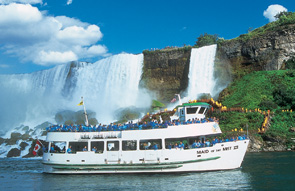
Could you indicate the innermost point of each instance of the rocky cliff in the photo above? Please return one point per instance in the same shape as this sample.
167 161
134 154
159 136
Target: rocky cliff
266 50
165 72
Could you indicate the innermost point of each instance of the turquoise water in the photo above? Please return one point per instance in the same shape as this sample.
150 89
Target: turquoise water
260 171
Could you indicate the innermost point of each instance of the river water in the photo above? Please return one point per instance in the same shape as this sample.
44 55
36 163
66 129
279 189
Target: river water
260 171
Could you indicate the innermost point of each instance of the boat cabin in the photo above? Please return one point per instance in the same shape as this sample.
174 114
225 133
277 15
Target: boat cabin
190 111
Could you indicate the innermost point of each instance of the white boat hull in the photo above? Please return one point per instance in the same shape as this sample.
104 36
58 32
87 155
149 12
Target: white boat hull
221 156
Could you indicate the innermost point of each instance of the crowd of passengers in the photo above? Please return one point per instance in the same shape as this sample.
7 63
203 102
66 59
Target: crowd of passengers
207 143
126 126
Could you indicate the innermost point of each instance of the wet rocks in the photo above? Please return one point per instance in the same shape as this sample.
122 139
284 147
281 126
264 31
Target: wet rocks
15 152
23 145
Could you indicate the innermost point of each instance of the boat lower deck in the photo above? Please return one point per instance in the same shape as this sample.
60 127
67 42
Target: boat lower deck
218 157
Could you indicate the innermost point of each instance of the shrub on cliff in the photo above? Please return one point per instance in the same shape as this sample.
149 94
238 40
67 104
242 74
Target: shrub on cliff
284 97
205 40
284 19
127 114
156 105
290 64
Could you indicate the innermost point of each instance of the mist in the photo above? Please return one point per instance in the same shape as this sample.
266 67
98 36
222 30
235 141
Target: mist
106 86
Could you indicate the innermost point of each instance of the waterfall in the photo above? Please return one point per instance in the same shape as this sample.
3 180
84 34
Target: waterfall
106 85
201 72
110 84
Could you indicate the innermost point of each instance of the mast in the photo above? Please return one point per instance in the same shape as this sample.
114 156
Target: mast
86 118
180 102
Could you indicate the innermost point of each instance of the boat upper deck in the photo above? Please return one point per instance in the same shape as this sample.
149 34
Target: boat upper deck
185 130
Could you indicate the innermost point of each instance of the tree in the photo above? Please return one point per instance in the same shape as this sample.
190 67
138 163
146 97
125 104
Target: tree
205 40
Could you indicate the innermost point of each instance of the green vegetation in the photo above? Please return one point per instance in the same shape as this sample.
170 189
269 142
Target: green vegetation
127 114
281 125
230 121
205 40
185 48
266 90
156 105
284 19
290 64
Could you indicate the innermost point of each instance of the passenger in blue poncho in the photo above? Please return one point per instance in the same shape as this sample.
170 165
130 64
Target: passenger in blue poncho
181 145
52 150
155 146
194 145
84 149
69 150
94 149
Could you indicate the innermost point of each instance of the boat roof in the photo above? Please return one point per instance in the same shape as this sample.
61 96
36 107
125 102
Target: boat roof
194 104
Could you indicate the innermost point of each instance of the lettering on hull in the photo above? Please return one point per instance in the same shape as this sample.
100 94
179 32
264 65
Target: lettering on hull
203 151
226 148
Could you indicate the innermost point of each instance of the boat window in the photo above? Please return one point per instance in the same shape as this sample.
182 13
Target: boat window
191 110
78 146
45 148
129 145
57 147
113 145
201 111
150 144
97 146
177 143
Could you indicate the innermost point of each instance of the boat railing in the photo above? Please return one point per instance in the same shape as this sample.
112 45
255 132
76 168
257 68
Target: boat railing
121 127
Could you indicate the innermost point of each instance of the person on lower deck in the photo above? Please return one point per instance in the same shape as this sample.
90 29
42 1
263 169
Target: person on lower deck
181 145
194 145
69 150
52 150
94 149
84 149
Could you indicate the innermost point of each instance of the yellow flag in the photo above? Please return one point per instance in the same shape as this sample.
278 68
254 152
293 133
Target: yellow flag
81 103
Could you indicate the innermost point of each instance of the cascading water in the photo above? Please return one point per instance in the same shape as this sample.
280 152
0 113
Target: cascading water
110 84
201 72
106 85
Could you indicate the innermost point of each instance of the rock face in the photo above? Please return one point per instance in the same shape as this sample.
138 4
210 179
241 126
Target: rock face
268 51
165 72
14 153
266 144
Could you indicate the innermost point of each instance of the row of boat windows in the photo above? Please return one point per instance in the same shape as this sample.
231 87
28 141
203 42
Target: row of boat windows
132 145
99 146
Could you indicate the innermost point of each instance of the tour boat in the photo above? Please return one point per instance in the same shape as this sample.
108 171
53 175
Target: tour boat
156 149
